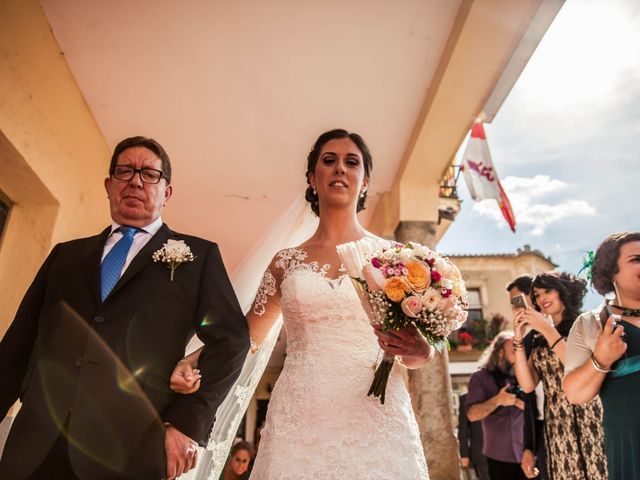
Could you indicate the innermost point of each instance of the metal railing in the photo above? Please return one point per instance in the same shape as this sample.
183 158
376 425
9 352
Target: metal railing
448 184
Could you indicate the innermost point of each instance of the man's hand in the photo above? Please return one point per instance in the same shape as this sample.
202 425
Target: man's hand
528 464
506 399
182 452
185 378
464 462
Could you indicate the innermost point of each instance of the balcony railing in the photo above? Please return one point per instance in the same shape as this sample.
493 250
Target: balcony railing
448 188
449 202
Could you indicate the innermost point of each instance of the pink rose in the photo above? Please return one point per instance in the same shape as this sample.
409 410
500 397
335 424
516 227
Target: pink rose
374 278
375 261
411 306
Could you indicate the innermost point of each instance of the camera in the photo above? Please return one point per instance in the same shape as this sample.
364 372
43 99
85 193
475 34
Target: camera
515 389
518 301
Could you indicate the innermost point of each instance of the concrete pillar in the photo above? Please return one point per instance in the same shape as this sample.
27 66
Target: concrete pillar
430 387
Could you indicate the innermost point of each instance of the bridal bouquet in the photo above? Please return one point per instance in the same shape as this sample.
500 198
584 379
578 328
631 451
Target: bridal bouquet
402 285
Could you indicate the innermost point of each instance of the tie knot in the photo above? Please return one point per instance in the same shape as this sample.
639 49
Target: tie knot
128 231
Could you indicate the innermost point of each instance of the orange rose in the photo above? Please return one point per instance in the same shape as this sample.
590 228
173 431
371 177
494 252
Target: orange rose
419 276
396 289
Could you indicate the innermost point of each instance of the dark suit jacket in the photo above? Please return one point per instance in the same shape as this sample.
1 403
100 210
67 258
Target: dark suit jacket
102 369
531 440
469 434
470 440
533 428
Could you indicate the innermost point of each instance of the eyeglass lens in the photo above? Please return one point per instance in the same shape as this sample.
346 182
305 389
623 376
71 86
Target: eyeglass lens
148 175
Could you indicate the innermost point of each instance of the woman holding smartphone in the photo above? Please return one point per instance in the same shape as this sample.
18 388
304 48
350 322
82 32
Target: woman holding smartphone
573 434
605 359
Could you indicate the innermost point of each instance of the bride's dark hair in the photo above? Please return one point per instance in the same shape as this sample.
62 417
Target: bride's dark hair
571 290
314 154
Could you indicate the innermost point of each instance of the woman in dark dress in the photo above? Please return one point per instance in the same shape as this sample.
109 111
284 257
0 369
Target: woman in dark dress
606 360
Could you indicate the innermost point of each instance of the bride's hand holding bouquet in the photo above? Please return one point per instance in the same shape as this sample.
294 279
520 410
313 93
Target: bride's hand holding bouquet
407 343
405 289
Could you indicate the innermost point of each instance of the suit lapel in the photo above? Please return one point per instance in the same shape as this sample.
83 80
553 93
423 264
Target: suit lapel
91 262
143 258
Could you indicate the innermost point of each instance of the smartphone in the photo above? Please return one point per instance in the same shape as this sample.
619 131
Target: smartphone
518 301
605 313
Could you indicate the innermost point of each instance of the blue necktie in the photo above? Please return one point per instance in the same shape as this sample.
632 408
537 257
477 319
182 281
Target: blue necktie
114 261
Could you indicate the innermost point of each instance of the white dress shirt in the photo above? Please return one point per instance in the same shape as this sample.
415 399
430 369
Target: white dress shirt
140 239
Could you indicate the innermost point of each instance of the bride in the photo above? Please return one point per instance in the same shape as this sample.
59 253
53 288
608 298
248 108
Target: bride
320 422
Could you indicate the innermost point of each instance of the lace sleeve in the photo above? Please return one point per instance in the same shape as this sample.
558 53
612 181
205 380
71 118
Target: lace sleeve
267 289
265 309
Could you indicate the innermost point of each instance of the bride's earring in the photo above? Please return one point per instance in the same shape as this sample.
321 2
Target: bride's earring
362 194
314 192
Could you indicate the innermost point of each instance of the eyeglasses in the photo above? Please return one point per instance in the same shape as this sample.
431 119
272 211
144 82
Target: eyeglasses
147 175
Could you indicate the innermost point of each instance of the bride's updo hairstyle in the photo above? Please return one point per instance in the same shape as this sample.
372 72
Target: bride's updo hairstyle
571 290
605 265
314 155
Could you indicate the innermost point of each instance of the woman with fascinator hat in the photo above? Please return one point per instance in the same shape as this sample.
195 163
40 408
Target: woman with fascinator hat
603 352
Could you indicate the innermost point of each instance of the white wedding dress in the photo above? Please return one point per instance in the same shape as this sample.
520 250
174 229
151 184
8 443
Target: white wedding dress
320 423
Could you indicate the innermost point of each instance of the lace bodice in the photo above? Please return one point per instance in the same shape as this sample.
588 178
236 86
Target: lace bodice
320 422
322 316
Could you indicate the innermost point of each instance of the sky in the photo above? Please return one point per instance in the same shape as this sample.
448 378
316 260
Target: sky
565 143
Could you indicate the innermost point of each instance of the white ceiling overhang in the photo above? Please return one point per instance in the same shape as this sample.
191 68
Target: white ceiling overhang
237 91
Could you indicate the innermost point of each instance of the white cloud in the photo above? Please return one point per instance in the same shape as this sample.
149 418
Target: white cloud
531 187
523 192
590 47
542 215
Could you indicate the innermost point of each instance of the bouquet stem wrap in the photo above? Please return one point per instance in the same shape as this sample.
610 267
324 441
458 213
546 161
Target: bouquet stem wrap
378 387
401 285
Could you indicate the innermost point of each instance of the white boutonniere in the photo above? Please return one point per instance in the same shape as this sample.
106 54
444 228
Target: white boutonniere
173 254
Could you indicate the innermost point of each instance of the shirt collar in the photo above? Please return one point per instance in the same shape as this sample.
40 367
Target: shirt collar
151 229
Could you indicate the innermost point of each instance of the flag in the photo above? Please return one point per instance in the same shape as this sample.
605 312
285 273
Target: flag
480 175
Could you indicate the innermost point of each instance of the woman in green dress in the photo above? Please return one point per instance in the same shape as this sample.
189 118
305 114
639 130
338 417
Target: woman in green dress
605 359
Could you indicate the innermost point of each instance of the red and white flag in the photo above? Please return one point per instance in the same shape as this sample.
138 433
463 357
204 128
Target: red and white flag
480 174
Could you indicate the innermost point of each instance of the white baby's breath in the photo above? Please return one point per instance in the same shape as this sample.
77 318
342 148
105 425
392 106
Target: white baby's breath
173 254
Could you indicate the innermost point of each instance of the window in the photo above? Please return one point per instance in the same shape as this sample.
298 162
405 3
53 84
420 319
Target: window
4 213
475 304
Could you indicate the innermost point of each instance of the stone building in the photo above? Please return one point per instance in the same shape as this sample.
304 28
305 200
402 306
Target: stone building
486 277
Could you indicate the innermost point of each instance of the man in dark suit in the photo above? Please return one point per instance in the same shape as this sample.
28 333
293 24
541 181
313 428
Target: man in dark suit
98 333
470 441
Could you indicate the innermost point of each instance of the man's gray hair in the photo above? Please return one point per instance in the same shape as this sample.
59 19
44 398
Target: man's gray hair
489 359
